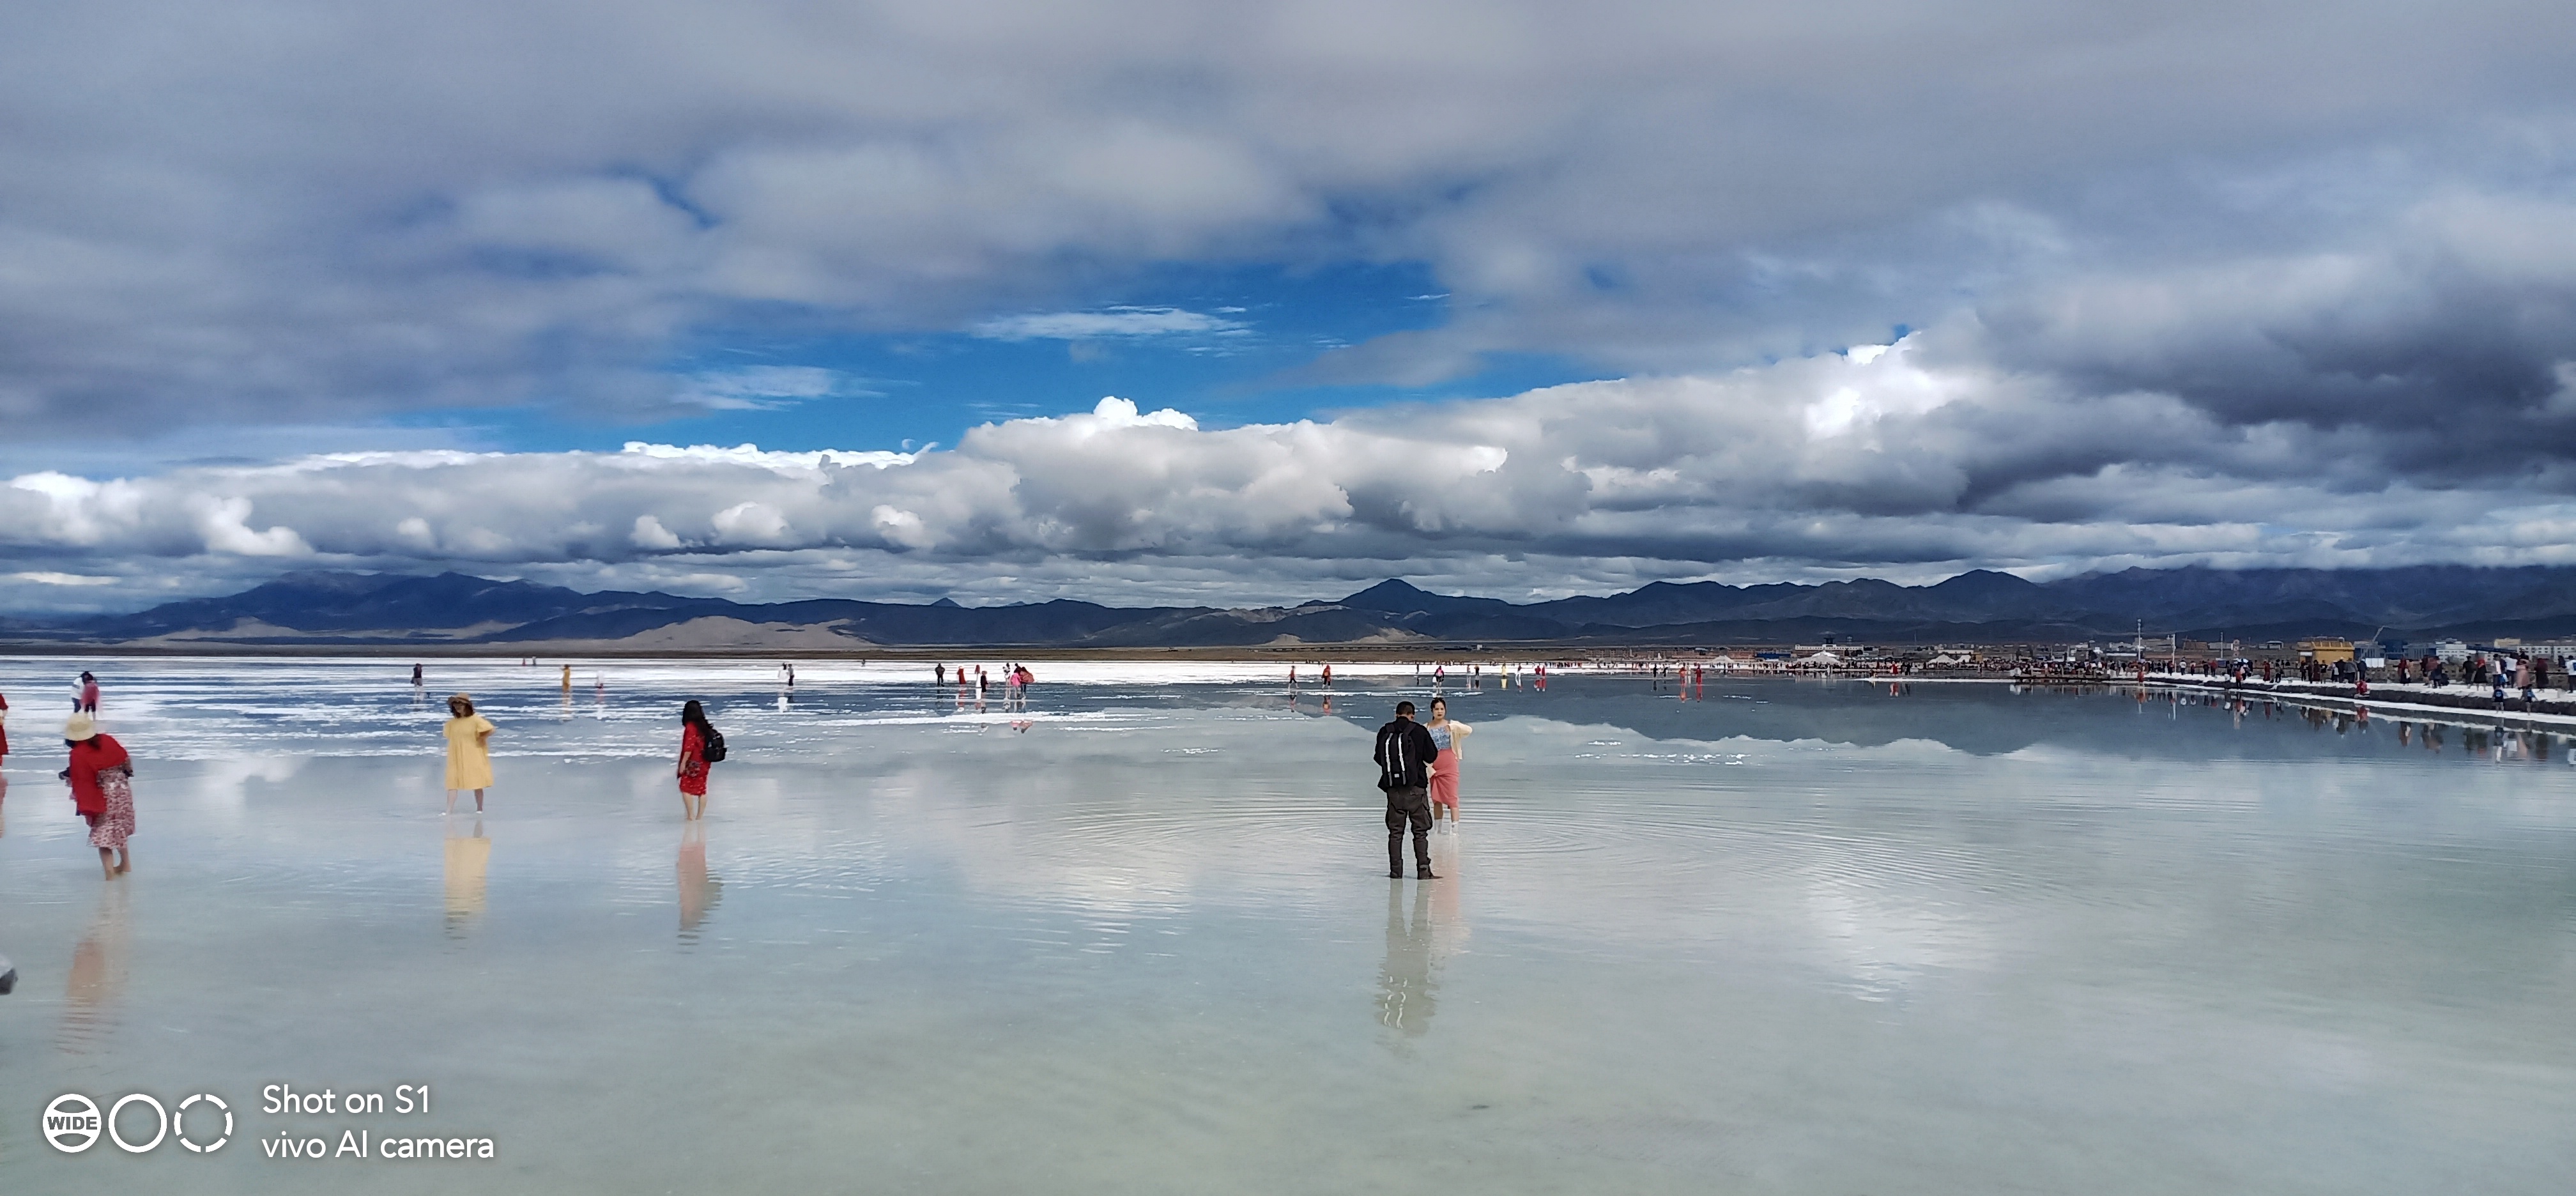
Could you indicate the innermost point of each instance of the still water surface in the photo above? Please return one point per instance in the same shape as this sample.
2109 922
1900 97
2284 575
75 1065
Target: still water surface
1790 937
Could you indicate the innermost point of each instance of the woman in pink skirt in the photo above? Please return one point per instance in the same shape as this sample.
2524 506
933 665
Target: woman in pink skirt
1451 738
102 776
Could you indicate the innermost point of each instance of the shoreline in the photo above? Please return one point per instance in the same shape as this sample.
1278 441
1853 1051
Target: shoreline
2409 703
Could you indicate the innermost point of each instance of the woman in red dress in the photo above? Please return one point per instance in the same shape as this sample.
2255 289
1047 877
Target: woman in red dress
101 776
695 731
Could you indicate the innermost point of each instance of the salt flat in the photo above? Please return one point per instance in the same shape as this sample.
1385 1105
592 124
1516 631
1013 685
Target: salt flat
1788 937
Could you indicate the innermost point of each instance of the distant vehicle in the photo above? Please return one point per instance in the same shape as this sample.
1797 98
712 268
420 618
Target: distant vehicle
8 976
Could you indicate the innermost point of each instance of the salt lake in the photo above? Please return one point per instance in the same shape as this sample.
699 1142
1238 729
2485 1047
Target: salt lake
1768 936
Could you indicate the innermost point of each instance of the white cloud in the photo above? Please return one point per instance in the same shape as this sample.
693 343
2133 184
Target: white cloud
1112 322
1936 460
651 535
766 388
224 524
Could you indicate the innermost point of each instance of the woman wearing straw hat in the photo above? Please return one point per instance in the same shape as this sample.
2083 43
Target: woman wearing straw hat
469 751
101 776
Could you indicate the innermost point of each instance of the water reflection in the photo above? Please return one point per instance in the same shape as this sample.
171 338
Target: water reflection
699 892
1406 992
97 977
469 857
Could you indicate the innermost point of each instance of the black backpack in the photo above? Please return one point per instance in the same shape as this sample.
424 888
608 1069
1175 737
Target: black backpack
1396 744
713 750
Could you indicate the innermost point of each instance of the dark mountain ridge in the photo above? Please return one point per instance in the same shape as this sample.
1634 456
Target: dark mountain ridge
1980 606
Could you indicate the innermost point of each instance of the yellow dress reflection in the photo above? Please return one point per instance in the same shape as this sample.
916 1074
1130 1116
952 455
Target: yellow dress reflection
699 892
97 976
469 857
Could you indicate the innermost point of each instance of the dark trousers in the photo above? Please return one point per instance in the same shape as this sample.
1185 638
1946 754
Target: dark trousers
1412 805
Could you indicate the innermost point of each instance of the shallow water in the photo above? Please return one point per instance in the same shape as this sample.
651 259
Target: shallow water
1791 937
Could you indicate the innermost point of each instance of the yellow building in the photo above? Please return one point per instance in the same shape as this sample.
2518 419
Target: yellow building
2326 651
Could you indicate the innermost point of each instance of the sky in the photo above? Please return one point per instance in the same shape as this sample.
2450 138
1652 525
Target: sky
1146 302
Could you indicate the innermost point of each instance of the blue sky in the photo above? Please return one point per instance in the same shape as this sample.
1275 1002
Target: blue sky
1229 344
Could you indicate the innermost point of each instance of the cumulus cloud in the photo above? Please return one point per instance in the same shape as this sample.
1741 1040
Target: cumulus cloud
1918 458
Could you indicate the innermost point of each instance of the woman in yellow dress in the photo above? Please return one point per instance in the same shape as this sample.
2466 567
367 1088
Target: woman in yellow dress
469 751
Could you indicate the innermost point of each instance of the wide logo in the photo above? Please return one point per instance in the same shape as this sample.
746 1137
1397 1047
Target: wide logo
73 1123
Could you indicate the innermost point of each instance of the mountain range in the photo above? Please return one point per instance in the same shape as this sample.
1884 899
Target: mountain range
363 609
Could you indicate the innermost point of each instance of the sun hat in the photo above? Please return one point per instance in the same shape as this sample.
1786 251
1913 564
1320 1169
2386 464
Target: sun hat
80 727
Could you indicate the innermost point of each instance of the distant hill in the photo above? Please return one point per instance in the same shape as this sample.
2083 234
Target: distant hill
363 609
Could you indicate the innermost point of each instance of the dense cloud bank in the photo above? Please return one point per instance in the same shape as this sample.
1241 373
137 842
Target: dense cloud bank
1916 460
257 212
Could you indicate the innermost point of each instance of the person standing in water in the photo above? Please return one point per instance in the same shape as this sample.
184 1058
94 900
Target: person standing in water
415 676
469 751
1404 757
696 733
85 694
102 777
1451 738
567 679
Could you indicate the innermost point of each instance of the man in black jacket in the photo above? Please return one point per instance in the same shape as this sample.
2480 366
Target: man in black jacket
1404 756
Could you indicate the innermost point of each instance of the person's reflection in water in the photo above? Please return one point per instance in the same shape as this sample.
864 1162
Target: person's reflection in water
469 857
699 892
97 977
1404 986
4 807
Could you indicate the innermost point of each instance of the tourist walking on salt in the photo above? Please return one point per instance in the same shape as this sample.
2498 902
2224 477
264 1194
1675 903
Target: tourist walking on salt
700 747
1404 757
85 694
469 751
4 736
1450 738
102 781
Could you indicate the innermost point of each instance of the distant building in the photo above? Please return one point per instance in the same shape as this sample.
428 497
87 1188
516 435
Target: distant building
2326 651
2454 651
